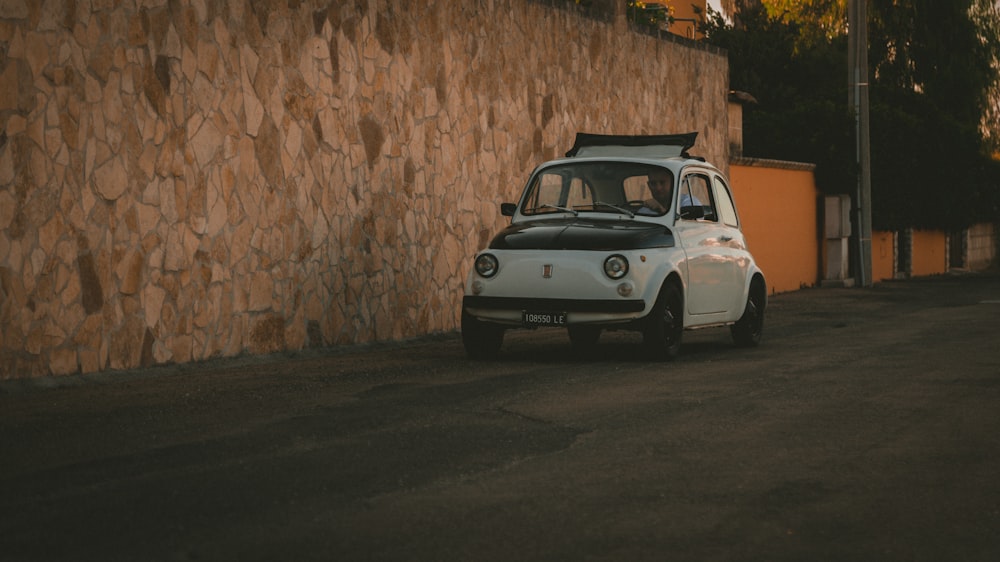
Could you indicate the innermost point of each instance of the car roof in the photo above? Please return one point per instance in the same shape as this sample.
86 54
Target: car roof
666 150
673 163
660 146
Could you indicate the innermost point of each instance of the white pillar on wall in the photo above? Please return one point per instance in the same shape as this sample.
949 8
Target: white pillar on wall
836 234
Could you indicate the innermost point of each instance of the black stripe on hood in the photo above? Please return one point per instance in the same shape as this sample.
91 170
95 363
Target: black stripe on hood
582 234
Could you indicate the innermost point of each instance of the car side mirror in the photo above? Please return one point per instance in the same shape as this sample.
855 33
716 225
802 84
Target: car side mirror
507 209
694 212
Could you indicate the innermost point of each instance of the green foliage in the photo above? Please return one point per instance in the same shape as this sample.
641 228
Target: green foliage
802 111
816 19
933 68
936 48
924 165
987 21
650 14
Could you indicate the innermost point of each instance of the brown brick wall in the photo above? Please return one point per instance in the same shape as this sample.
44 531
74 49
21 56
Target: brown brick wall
195 179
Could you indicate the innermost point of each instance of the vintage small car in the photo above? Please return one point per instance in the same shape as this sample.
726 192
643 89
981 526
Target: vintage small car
624 233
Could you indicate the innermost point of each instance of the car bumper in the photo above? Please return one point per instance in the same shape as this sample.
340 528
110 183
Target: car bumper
510 311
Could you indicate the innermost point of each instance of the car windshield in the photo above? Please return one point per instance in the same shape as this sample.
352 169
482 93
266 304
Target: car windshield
627 188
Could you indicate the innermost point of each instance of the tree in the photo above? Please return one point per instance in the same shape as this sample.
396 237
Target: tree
987 19
933 69
816 19
948 50
801 112
933 121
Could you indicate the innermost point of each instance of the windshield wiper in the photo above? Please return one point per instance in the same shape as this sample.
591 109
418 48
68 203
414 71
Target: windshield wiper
628 212
558 208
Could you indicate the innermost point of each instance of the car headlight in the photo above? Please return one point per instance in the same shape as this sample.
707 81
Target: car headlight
487 265
625 288
616 266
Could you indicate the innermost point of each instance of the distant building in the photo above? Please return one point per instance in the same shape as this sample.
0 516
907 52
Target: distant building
680 17
687 15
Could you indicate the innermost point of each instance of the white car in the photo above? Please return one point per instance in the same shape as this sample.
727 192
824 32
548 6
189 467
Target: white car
626 232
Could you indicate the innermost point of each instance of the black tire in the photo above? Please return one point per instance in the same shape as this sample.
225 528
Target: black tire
584 338
664 325
749 329
481 340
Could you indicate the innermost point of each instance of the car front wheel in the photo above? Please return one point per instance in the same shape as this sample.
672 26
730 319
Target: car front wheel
661 334
480 339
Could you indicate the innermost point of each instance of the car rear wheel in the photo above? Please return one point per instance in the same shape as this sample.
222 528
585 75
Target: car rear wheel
748 330
664 326
480 339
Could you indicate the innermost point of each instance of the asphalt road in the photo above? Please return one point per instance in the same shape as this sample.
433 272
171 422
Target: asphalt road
866 427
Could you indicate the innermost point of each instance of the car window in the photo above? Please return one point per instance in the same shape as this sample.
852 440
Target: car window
599 187
548 190
636 188
727 210
695 192
579 193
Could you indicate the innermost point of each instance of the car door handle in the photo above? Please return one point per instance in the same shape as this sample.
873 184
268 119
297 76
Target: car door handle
725 239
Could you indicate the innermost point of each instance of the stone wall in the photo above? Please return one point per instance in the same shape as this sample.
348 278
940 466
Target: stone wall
182 180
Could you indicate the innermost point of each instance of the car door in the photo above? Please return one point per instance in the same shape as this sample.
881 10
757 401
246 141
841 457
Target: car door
708 243
732 240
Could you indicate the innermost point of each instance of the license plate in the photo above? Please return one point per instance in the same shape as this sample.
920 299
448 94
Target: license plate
543 318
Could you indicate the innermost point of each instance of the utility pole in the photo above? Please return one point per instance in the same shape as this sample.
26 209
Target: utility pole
857 99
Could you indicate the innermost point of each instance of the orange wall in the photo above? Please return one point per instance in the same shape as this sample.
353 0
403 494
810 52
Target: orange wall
929 256
777 208
883 254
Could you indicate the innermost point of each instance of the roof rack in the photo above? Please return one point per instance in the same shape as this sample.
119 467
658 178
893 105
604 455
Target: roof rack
644 146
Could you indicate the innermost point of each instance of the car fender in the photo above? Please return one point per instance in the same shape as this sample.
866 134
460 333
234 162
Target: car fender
673 265
753 273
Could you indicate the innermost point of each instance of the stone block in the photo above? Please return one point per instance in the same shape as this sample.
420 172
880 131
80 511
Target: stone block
92 294
89 361
208 59
69 282
218 215
64 362
161 353
147 161
111 179
176 258
148 218
261 295
14 9
152 304
181 348
207 142
253 110
267 146
130 273
239 246
90 333
8 208
10 87
267 334
165 157
125 344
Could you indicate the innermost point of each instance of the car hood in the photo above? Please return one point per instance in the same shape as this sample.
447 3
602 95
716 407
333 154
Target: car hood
582 234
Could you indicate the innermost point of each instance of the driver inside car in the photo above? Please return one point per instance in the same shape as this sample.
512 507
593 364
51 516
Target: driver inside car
661 187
